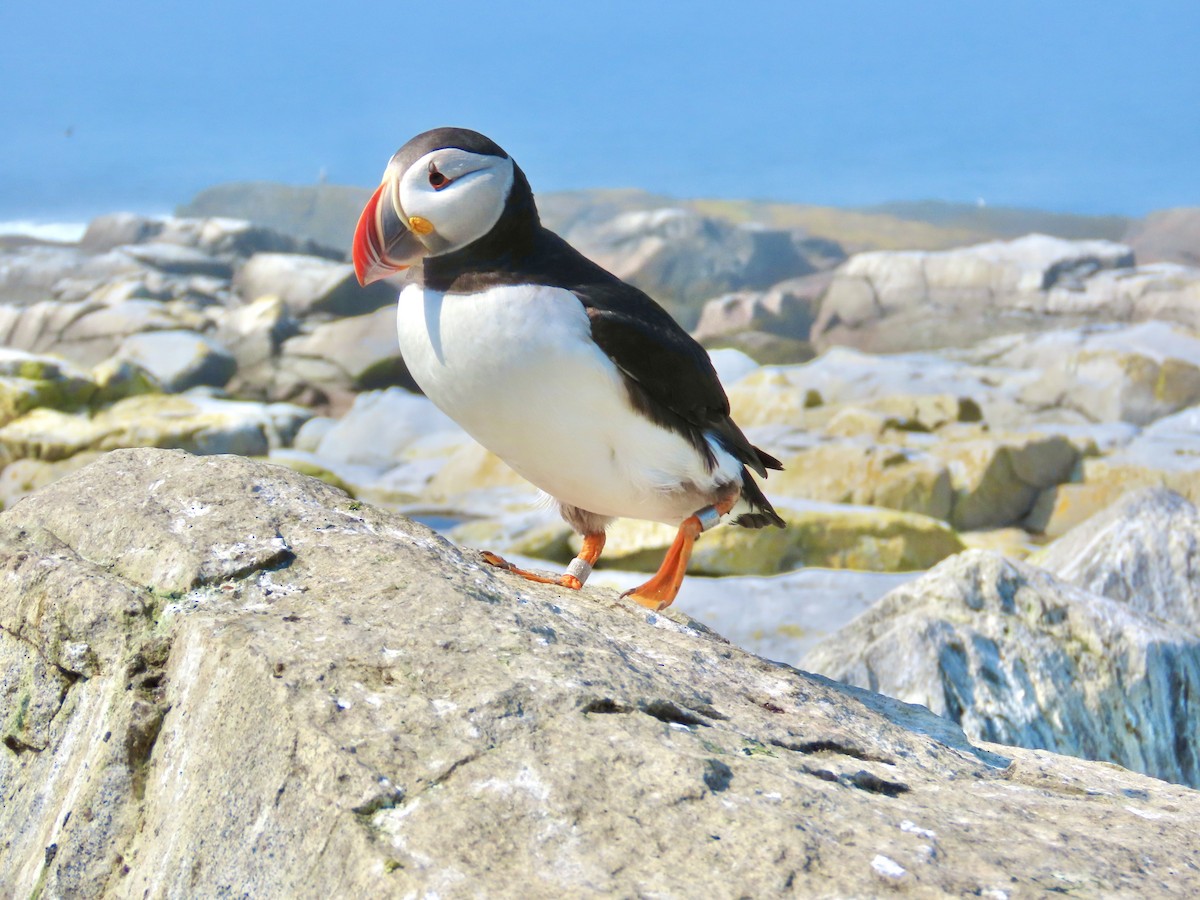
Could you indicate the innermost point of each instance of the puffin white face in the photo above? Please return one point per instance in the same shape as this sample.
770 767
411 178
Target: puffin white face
443 201
460 194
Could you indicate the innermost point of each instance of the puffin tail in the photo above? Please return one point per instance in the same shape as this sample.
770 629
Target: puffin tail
761 512
767 460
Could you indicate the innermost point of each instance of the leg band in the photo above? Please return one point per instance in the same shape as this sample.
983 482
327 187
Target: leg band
580 568
709 516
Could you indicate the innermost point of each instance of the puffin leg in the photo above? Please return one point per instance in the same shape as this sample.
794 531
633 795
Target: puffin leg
659 592
577 572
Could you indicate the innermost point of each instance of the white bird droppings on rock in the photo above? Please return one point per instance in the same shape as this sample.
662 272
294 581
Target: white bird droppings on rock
913 828
888 867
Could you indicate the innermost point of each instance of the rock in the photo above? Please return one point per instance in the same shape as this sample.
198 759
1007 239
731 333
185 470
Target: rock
787 309
913 300
191 422
215 236
1143 551
682 258
324 213
1134 373
238 238
47 434
1167 235
1164 453
381 426
28 381
179 360
780 617
276 655
1059 509
1159 291
310 284
117 229
344 356
964 391
1017 656
1014 543
254 335
311 433
28 274
998 478
96 332
867 474
817 534
764 348
177 260
540 534
22 477
385 449
470 467
117 379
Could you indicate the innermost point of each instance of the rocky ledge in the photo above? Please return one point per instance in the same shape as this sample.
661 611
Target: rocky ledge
221 678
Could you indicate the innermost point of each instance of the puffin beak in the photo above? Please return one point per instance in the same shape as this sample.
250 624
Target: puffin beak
383 241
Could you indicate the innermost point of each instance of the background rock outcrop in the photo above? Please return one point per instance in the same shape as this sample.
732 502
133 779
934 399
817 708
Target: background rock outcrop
221 677
889 301
1097 654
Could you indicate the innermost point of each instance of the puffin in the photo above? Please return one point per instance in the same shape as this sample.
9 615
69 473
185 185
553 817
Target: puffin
580 382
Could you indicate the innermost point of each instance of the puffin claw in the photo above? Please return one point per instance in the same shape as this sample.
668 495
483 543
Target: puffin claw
494 559
657 604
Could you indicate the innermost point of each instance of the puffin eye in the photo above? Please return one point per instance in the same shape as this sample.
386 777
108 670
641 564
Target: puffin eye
437 180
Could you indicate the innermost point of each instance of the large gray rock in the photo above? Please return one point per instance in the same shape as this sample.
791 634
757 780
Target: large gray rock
786 309
310 284
255 686
1017 656
341 357
1107 372
1143 550
997 478
216 236
239 238
117 229
180 260
1167 235
888 301
1163 453
680 257
85 332
319 212
254 333
180 359
28 273
193 422
381 425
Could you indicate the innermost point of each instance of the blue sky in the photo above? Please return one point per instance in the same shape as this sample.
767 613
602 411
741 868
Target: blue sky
1072 106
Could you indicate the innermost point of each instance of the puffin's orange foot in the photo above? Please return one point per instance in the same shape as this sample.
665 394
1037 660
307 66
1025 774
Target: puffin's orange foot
569 581
652 598
660 591
576 574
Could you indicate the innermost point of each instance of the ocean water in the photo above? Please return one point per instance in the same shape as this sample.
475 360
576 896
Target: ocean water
65 232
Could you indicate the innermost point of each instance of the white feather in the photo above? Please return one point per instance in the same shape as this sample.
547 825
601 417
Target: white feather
516 367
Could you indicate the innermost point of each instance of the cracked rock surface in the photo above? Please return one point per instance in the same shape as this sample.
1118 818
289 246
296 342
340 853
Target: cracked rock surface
221 678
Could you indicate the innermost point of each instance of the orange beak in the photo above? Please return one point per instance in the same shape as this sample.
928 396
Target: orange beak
383 242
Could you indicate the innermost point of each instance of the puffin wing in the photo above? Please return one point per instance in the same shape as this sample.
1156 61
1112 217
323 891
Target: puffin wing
670 378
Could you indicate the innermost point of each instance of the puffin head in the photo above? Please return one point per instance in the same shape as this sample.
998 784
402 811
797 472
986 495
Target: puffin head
443 190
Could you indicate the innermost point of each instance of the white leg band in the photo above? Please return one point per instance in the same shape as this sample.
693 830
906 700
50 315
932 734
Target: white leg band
581 569
708 517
